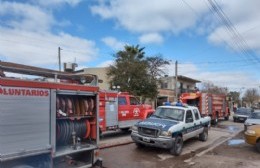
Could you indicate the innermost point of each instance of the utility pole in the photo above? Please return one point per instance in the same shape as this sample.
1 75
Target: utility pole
176 80
59 49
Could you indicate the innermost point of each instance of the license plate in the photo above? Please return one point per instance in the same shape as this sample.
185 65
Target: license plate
241 119
146 139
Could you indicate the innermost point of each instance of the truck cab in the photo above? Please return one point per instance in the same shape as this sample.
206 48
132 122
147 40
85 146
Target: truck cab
169 126
121 110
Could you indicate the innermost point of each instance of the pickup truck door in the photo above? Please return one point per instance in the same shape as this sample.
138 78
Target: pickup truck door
189 128
197 122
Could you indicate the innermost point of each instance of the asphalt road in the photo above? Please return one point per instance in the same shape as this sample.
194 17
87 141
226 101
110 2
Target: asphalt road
118 150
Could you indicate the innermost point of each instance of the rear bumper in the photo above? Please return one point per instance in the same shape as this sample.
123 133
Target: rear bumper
160 142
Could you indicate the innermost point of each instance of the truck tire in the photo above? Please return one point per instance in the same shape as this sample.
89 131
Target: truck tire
204 135
215 121
177 146
227 118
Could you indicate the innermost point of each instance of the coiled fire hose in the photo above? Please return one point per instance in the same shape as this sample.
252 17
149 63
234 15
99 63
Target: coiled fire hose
65 128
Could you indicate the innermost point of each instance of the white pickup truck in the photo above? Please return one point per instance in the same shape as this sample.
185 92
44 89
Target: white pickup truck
169 126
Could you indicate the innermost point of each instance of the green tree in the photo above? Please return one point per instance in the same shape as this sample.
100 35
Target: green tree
135 73
156 64
235 96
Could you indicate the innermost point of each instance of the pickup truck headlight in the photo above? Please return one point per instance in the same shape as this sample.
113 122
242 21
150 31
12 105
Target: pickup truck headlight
134 128
250 132
166 133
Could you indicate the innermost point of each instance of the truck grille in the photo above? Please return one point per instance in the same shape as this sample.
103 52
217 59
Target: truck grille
148 132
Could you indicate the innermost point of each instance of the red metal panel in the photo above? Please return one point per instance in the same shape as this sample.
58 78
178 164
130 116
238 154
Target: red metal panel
49 85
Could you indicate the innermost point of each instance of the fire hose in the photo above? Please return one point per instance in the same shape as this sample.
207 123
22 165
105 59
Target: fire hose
65 129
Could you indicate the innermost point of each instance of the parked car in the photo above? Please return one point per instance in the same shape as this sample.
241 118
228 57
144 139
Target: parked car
242 114
169 126
253 119
252 136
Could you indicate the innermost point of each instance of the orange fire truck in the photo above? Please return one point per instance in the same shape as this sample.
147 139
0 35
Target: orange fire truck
214 105
119 110
48 121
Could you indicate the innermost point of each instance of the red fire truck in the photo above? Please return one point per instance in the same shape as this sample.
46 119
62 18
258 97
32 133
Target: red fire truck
47 124
119 110
214 105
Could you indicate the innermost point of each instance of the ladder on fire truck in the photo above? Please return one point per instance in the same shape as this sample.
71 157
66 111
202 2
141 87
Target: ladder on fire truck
47 73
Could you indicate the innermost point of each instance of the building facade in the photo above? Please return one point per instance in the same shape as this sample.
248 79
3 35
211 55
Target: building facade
167 91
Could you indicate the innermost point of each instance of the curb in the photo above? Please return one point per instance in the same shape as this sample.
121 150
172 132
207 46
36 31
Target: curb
111 145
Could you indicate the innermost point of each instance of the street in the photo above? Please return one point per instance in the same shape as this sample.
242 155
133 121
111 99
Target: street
225 147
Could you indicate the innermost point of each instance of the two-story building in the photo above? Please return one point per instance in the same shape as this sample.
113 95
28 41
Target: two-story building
167 91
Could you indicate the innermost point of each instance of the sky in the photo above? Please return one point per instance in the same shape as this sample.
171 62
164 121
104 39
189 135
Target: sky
214 41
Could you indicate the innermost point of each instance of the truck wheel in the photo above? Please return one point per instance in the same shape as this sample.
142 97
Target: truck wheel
227 118
258 145
235 120
100 134
215 121
204 135
177 146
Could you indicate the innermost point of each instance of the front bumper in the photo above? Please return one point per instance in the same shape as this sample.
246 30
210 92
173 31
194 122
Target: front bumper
160 142
250 139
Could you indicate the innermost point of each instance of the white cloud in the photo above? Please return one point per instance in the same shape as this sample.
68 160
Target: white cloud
26 17
53 3
150 18
150 15
113 43
175 16
151 38
42 49
244 17
26 37
106 63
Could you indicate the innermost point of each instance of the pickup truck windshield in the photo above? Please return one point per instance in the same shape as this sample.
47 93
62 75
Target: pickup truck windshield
170 113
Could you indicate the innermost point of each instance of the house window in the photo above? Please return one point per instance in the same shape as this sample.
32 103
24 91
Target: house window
164 85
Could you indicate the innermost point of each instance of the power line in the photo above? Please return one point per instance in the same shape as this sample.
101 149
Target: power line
253 60
238 39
